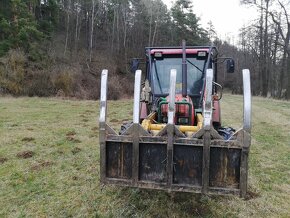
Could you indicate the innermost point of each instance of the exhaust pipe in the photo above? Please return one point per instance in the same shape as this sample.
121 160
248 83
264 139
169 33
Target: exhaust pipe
184 69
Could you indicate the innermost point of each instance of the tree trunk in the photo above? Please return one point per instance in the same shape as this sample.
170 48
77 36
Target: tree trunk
265 63
288 72
113 31
155 29
261 52
92 29
67 27
274 78
125 29
150 25
77 26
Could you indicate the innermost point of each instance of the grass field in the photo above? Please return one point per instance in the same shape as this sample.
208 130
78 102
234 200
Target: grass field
49 164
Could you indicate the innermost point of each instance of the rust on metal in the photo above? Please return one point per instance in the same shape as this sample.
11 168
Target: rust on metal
225 167
119 160
223 173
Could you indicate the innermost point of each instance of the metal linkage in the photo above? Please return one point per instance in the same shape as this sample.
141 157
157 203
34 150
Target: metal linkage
247 100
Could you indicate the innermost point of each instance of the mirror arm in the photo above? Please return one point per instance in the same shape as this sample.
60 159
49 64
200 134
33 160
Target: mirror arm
223 59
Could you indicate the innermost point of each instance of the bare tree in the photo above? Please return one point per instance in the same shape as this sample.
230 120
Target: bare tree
273 51
67 26
92 29
284 31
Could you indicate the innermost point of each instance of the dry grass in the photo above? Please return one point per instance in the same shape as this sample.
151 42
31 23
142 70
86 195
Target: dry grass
61 178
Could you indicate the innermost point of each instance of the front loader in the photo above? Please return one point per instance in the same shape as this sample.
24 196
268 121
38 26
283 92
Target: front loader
176 141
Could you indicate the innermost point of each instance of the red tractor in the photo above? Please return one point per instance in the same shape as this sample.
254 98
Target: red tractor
176 141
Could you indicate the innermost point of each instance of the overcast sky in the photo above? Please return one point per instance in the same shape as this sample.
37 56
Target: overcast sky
227 16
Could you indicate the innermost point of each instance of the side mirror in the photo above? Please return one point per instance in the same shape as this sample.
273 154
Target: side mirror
135 65
230 66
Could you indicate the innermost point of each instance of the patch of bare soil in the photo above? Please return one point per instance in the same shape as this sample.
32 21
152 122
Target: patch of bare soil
95 128
251 195
89 112
75 178
60 152
75 150
70 136
71 133
41 165
73 139
3 160
25 154
28 139
30 145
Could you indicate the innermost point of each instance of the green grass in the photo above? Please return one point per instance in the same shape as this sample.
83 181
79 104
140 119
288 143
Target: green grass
49 164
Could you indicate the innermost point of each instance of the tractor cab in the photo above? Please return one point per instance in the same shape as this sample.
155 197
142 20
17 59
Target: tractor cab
162 64
190 64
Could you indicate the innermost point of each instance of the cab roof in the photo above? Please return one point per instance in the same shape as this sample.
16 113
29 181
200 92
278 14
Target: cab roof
178 50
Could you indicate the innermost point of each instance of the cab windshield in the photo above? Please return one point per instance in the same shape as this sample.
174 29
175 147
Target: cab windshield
161 74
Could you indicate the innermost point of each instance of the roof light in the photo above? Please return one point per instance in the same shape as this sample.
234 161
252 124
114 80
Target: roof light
201 53
158 54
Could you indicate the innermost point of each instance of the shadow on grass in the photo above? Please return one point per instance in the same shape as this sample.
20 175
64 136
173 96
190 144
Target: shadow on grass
134 202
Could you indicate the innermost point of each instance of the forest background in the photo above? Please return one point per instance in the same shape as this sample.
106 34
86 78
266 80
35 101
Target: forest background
59 47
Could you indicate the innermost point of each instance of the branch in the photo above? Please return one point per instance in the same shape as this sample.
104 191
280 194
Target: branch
285 11
254 50
278 25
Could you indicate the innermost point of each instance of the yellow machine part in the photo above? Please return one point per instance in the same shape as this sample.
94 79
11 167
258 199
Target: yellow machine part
148 125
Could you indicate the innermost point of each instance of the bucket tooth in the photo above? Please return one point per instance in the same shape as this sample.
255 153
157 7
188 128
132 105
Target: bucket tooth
207 104
246 137
102 124
103 97
247 100
137 92
171 104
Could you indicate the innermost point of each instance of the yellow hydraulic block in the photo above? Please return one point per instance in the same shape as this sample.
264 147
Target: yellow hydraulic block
188 130
148 121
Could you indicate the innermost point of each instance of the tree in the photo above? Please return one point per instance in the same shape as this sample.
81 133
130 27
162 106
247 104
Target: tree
185 24
21 26
283 28
272 35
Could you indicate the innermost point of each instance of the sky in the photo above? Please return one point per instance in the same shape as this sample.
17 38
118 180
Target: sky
227 16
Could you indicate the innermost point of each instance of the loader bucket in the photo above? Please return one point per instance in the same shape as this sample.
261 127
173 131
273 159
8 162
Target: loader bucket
202 163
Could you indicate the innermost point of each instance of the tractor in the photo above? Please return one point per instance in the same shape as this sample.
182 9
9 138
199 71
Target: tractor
176 141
